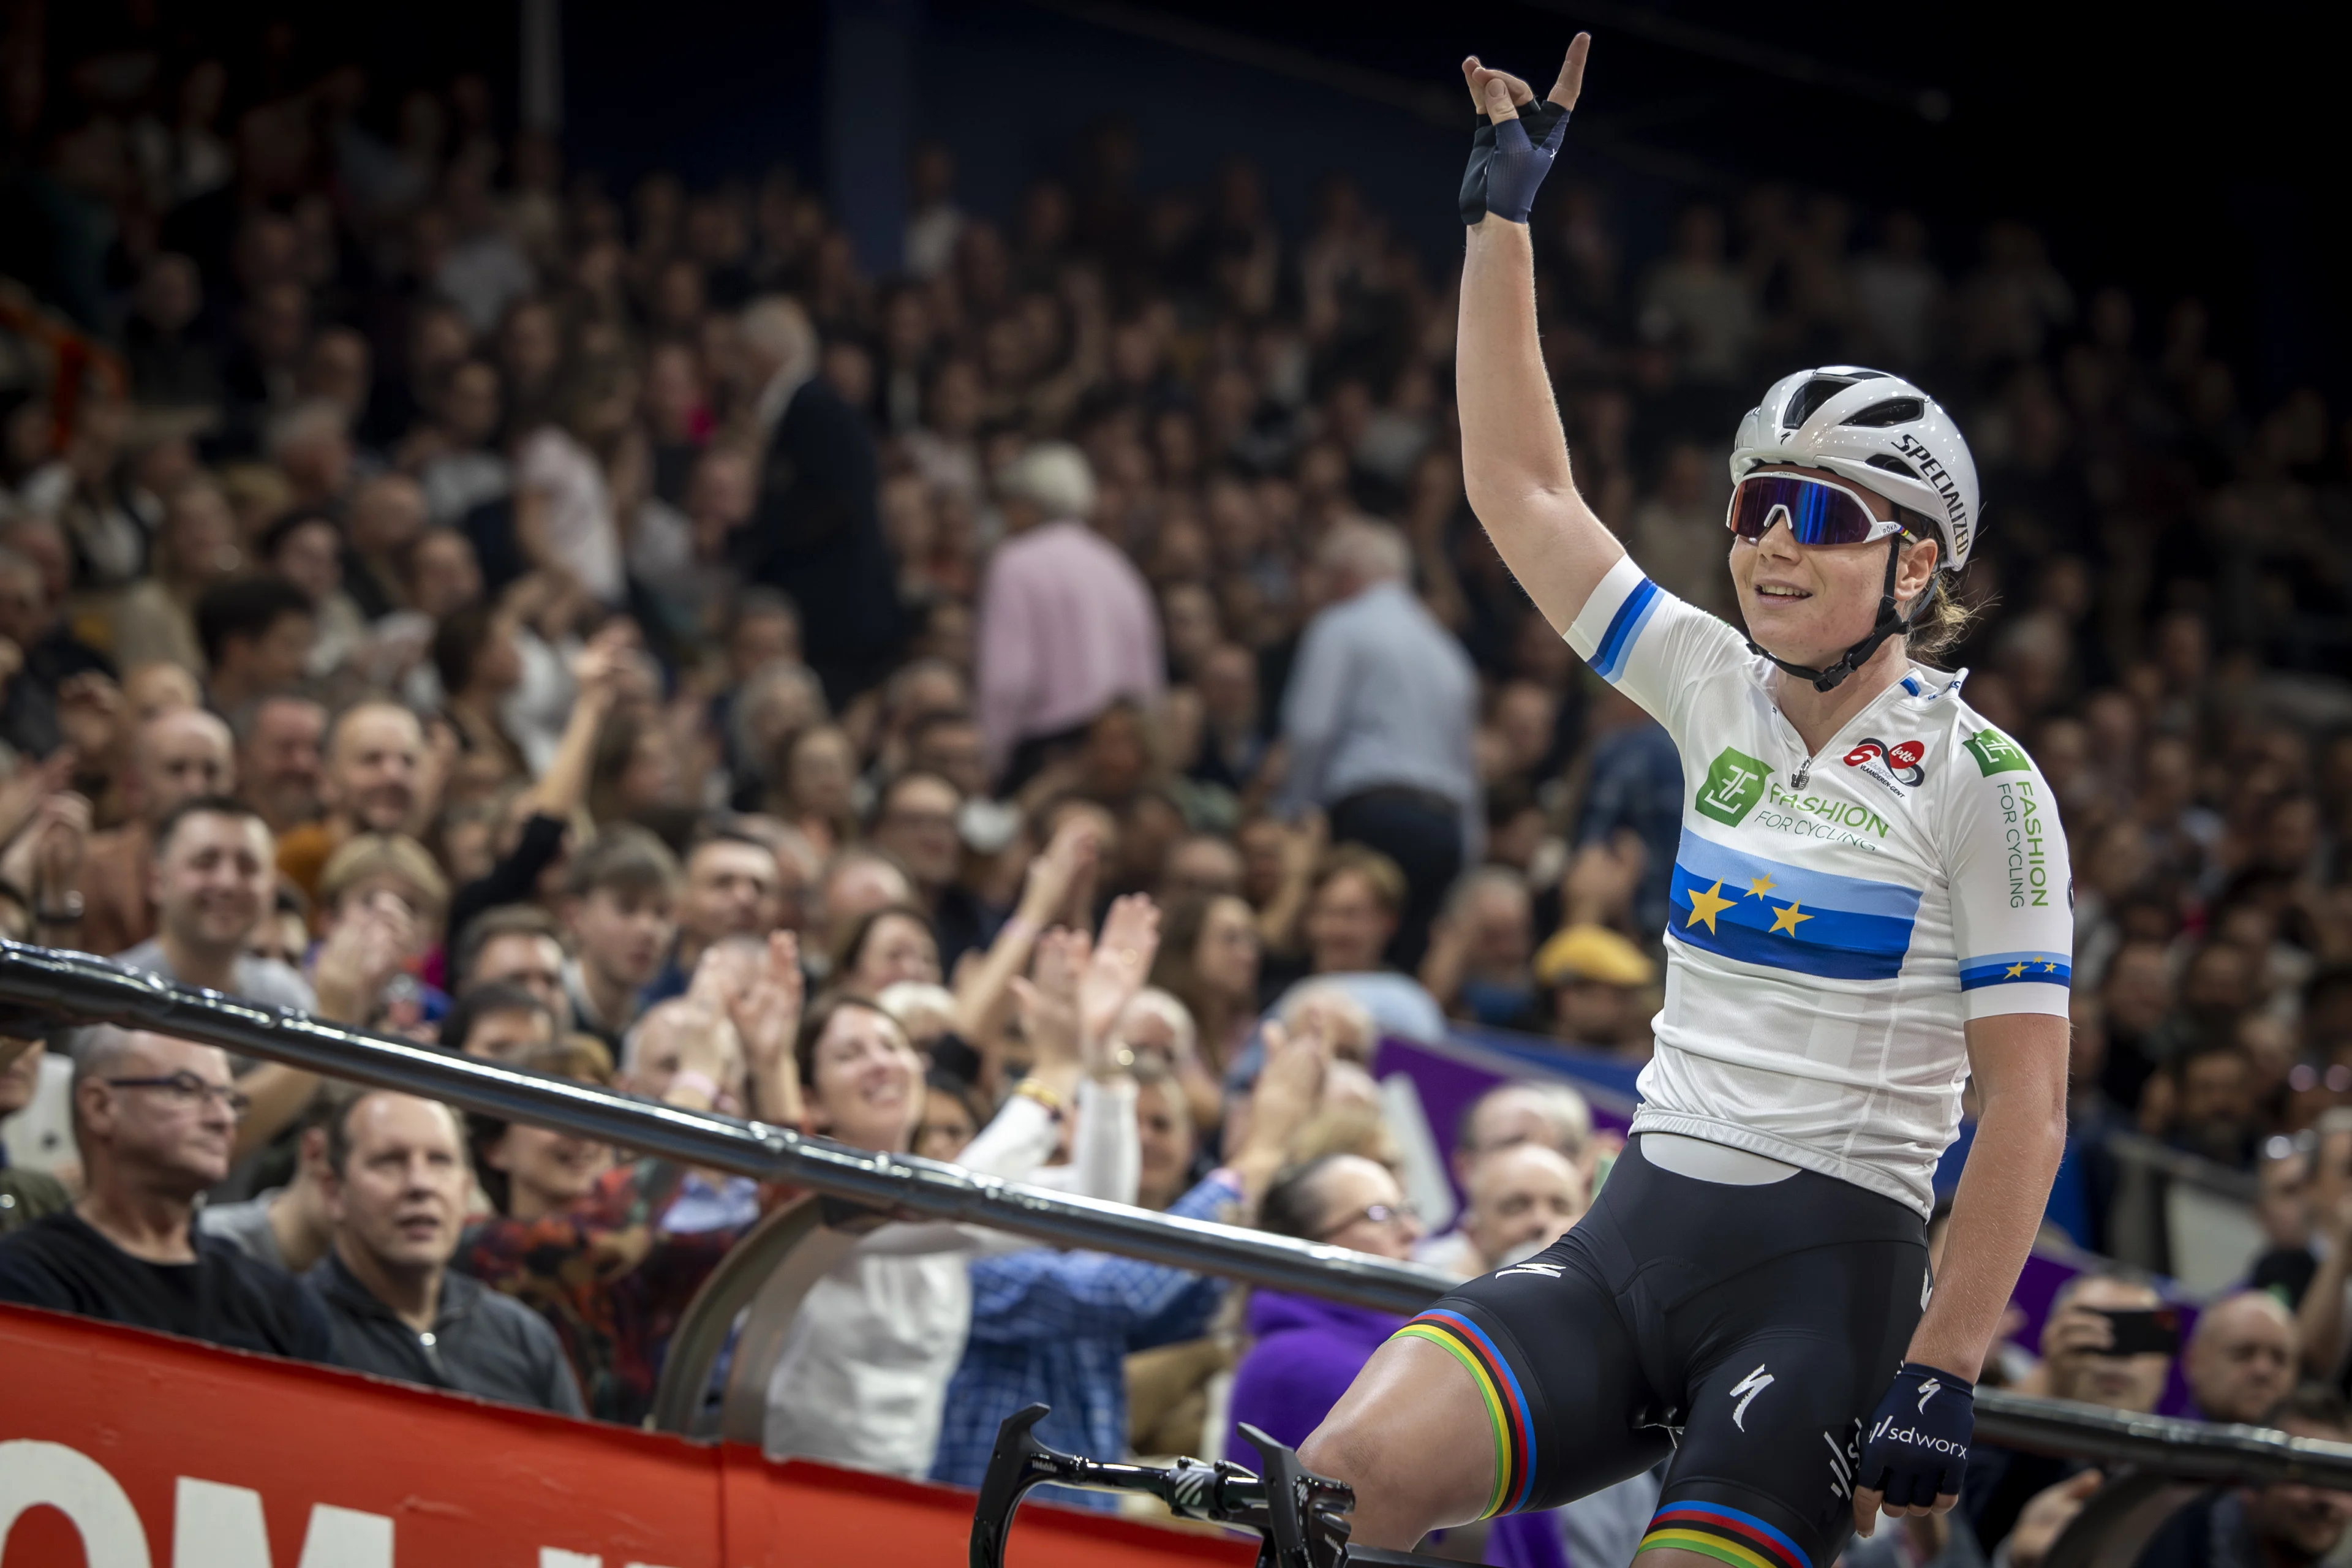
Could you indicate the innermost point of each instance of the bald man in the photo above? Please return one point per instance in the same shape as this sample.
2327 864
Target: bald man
2241 1357
179 754
1522 1199
1508 1116
374 780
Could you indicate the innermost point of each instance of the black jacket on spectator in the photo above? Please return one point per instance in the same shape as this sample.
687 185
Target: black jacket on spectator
28 708
515 878
226 1298
2209 1531
2000 1483
482 1344
817 535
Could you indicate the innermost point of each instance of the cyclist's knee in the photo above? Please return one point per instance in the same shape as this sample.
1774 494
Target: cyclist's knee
1412 1441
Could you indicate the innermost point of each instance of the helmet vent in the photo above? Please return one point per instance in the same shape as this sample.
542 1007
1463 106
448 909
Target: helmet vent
1893 466
1810 396
1899 411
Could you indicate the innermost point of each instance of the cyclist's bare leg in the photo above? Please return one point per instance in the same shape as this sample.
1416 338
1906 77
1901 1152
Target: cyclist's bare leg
1413 1436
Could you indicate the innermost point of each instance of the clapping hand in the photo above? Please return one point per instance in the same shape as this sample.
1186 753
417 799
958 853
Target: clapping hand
1048 998
767 1014
1289 1090
45 860
1064 861
1117 970
369 945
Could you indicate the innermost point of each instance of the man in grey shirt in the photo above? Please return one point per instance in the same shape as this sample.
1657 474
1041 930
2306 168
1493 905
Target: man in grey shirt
1378 720
288 1226
215 876
395 1183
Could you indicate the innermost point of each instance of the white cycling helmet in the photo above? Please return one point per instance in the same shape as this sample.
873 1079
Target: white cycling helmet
1878 431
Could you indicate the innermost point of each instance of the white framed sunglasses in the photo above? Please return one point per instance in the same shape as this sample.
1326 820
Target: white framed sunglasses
1817 510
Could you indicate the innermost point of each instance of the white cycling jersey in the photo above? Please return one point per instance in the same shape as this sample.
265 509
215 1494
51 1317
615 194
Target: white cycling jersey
1836 916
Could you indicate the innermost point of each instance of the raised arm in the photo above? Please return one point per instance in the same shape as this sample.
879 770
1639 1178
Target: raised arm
1513 453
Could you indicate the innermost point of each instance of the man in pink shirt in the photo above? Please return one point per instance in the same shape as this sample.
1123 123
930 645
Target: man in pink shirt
1066 624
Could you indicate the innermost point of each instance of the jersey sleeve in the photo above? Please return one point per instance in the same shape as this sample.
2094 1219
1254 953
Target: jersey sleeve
1650 644
2013 886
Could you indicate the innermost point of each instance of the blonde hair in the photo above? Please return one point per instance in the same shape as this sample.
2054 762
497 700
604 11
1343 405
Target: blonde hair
394 855
1941 621
1941 625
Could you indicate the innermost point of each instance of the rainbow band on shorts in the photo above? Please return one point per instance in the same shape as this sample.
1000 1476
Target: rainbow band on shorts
1498 1387
1725 1534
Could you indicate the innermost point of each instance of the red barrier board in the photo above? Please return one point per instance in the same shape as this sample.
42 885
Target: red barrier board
125 1449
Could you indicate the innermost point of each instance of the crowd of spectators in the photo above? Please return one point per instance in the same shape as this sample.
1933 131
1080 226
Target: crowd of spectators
1048 707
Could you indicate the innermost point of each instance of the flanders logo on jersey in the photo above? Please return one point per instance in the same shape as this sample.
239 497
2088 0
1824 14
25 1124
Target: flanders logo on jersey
1997 754
1734 783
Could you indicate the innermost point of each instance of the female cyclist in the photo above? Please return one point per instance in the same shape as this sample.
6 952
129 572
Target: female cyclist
1869 904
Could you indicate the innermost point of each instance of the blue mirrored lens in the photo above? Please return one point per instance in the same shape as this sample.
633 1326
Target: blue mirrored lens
1817 514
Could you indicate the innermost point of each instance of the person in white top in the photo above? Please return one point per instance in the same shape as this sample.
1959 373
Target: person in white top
565 512
863 1377
1869 905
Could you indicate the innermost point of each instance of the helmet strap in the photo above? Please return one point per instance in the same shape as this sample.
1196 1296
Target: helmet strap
1891 620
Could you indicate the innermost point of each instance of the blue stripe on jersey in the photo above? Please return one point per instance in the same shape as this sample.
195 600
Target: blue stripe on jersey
2016 968
1760 911
1624 628
1709 860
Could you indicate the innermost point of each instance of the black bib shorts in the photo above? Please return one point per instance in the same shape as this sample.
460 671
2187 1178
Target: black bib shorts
1747 1330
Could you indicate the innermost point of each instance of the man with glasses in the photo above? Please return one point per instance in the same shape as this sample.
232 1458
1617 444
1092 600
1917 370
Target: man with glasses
156 1118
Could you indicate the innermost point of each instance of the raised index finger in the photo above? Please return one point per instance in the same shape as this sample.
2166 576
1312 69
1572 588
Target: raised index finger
1572 71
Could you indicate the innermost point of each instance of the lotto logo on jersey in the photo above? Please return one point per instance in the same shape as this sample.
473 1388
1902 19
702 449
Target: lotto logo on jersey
1898 761
1734 783
1997 754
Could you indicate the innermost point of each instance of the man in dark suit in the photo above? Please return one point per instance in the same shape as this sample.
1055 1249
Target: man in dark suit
815 531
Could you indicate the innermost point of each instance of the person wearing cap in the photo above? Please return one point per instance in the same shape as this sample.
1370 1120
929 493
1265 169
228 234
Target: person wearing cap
1599 983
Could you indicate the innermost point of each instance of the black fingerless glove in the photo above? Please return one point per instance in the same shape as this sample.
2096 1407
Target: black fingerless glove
1917 1445
1508 162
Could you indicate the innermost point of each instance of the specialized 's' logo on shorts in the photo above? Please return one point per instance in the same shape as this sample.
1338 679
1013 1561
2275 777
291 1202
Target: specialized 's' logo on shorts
1843 1462
1928 1391
1745 1391
1734 783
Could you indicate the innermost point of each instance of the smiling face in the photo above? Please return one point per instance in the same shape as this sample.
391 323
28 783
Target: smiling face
866 1085
546 1170
373 764
213 879
1809 604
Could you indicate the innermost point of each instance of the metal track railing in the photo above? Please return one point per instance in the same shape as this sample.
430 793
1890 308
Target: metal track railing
43 989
